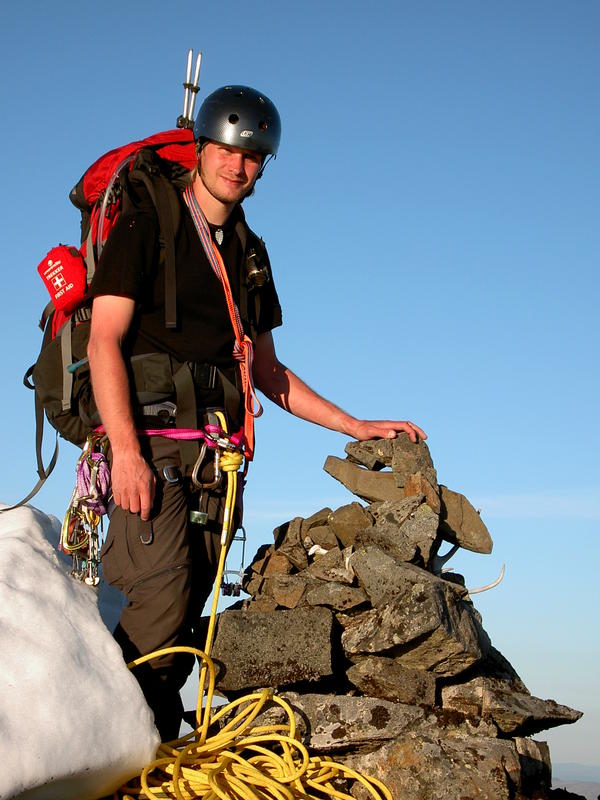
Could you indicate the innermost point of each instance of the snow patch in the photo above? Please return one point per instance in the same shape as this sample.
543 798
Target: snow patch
73 721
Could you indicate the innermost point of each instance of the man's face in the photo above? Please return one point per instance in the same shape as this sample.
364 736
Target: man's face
228 173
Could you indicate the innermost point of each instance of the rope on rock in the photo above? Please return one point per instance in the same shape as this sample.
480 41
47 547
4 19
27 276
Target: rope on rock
235 759
242 760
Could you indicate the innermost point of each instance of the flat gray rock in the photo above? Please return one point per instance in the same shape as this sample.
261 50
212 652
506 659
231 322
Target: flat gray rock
514 713
337 722
410 457
374 454
382 576
386 678
395 512
338 596
427 764
461 524
424 625
272 649
369 486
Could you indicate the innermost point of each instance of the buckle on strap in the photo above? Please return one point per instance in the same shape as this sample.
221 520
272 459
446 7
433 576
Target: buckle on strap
165 411
205 376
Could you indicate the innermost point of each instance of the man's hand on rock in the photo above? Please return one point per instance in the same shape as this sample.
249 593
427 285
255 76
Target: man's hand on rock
386 429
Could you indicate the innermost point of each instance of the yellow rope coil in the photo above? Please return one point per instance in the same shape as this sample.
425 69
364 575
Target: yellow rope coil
242 760
238 760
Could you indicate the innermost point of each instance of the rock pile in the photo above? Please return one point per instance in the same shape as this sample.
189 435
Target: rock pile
380 651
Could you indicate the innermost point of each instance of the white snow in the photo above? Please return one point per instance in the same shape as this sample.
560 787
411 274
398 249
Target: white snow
73 721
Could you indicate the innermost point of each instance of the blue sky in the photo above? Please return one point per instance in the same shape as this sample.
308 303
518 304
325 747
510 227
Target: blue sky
432 220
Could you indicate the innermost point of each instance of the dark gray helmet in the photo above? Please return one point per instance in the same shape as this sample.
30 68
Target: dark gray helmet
241 117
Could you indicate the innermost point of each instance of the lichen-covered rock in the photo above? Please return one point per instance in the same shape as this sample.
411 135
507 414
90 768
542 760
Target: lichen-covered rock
514 713
424 625
329 723
418 696
272 649
410 457
390 540
386 678
424 765
338 596
406 530
395 512
421 528
378 573
374 454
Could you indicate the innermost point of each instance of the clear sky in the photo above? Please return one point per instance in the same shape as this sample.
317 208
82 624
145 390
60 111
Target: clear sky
432 220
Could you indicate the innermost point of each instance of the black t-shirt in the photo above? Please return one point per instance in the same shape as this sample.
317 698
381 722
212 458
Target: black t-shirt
129 266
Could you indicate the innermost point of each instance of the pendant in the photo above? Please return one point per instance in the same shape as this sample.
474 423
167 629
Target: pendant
219 236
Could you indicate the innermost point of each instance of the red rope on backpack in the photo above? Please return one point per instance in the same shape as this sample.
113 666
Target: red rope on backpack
243 349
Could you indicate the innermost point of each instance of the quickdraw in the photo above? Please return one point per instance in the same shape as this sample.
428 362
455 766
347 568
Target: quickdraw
81 528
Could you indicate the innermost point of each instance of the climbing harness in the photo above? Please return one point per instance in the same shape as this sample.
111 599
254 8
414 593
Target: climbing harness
80 535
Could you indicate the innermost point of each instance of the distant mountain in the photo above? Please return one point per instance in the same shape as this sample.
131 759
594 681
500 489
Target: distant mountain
569 771
588 789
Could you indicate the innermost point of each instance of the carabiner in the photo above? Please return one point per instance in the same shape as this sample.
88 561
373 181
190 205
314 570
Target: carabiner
198 464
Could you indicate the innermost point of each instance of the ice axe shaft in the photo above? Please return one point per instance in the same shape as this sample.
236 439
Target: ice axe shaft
186 120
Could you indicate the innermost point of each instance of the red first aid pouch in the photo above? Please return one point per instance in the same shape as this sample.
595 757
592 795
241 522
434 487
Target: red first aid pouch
64 273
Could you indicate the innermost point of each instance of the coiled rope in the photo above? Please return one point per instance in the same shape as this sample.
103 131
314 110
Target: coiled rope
233 758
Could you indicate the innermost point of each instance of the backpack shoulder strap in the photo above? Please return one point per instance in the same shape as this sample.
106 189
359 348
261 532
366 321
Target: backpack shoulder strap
160 180
42 471
255 260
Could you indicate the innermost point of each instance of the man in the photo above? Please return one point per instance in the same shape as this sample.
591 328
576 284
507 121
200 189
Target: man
161 556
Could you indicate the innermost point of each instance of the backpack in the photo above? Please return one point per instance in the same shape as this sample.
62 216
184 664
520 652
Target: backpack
161 165
60 376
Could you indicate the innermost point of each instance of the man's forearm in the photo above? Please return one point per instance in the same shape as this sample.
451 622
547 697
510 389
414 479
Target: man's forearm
110 385
285 388
291 393
133 482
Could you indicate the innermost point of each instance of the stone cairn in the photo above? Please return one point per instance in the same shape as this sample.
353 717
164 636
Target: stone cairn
378 648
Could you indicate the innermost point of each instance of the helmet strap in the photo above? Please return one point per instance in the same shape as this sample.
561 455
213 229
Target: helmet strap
264 164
